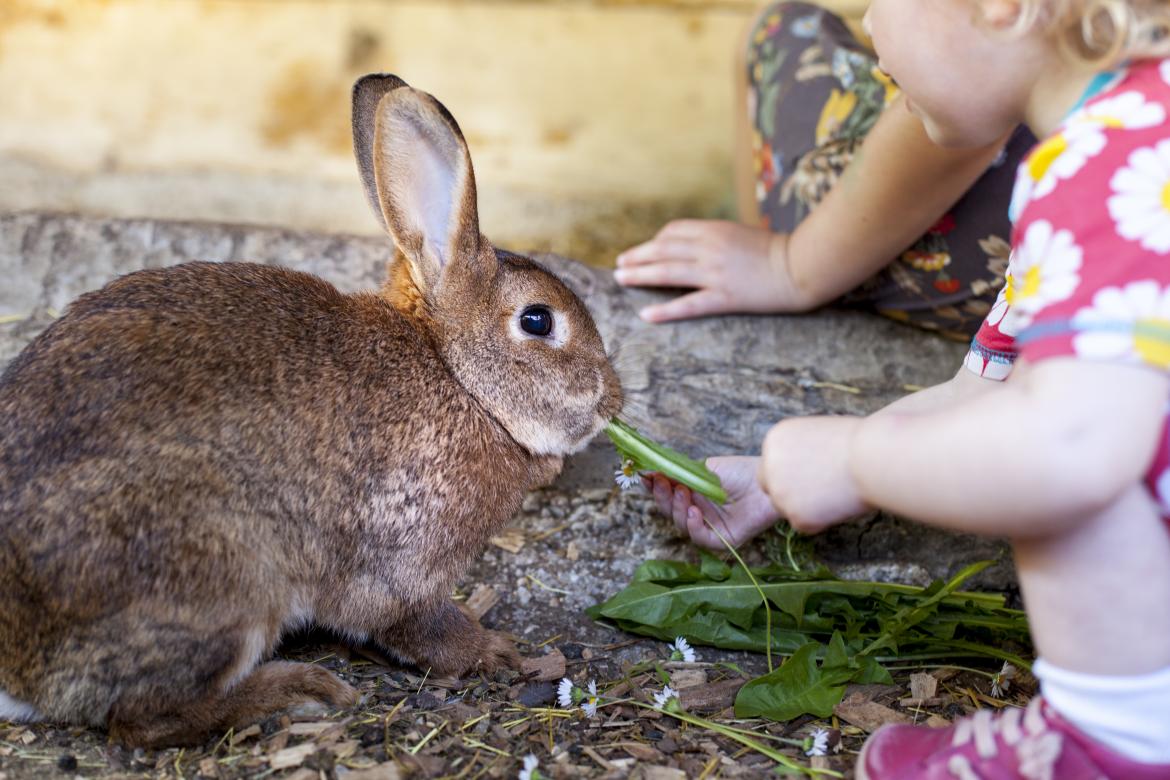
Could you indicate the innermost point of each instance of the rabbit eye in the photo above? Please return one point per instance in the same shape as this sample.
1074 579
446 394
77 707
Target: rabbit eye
536 321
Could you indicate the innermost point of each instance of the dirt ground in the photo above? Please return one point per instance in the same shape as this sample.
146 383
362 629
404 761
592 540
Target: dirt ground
563 553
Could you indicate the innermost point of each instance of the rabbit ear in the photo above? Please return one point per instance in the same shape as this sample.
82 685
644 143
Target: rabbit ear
367 91
424 183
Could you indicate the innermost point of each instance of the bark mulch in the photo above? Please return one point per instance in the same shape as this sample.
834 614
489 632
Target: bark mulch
411 726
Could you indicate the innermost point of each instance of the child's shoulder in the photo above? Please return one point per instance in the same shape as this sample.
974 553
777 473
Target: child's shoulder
1134 97
1123 124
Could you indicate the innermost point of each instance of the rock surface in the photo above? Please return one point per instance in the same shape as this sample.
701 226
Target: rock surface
708 387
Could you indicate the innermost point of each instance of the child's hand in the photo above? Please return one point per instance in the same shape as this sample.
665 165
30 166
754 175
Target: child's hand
747 511
733 268
805 472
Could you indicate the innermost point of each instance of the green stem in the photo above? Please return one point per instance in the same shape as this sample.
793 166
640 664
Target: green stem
767 608
743 739
651 456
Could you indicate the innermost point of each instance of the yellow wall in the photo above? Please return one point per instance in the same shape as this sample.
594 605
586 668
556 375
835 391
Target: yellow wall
589 121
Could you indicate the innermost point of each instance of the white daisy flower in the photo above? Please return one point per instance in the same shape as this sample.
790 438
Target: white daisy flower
565 693
530 772
1129 110
682 650
1045 270
589 705
1127 323
818 743
627 476
998 312
663 696
1056 158
1002 680
1140 206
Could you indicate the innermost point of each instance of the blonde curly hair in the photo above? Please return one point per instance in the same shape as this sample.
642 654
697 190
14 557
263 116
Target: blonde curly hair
1102 33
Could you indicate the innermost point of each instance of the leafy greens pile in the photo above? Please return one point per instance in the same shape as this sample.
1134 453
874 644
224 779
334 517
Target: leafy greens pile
851 627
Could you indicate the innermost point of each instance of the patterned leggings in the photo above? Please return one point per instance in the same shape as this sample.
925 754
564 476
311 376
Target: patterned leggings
814 91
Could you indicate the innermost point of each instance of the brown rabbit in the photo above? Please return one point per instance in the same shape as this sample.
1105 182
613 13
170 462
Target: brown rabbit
195 460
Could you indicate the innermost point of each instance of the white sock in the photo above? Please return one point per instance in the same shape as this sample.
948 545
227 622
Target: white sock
1131 715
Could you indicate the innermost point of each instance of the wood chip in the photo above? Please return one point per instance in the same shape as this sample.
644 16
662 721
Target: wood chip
601 760
343 750
209 768
482 599
244 734
510 539
914 704
387 771
28 737
303 774
550 666
643 752
293 756
572 552
278 742
867 714
923 685
663 773
687 678
710 697
307 729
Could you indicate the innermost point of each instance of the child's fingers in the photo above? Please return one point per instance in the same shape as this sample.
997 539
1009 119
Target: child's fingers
699 303
687 229
699 532
668 273
663 495
657 250
682 502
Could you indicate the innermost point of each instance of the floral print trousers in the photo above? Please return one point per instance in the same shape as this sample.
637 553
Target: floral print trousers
814 91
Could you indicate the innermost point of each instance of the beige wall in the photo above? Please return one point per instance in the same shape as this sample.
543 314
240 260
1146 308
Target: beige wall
589 121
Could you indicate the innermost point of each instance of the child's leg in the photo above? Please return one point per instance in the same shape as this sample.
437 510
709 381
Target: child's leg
1098 601
1097 593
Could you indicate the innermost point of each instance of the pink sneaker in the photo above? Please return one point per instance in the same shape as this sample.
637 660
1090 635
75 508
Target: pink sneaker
1012 744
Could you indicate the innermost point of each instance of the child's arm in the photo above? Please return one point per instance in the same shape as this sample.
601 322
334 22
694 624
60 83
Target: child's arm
1059 441
1062 440
748 510
898 184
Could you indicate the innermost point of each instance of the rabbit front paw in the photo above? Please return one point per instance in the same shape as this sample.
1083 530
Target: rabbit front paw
496 652
451 642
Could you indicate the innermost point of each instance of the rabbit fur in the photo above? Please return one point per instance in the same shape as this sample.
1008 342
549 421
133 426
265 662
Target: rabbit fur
196 460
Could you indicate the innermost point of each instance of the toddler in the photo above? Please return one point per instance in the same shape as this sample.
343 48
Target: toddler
1054 432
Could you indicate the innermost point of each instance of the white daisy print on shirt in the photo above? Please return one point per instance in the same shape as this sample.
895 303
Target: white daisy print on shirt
1045 269
1055 159
1164 69
1130 110
1130 323
1080 138
998 314
1140 205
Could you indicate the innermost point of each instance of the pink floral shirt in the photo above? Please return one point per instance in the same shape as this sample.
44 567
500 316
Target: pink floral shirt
1089 274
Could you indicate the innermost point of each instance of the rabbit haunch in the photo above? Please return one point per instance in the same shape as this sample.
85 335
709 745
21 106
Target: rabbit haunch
198 459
